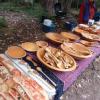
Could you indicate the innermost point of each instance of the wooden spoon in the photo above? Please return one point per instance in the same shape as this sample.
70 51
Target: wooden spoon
39 69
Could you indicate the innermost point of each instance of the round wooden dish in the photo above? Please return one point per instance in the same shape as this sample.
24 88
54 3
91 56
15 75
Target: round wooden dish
77 50
55 37
42 43
70 36
29 46
15 52
40 55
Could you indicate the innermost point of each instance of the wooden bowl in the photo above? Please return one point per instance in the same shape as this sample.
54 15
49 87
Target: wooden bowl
15 52
55 37
29 46
70 36
42 43
40 54
77 50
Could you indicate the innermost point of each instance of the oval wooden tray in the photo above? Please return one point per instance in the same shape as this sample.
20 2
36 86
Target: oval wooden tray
87 43
70 36
90 36
40 55
77 50
55 37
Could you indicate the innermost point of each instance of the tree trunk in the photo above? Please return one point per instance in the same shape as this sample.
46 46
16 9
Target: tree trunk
67 4
49 6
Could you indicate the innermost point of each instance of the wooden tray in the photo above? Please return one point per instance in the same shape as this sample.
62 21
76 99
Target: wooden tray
40 55
90 36
87 43
70 36
77 50
55 37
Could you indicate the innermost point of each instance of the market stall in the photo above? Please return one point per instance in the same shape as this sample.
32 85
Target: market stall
56 63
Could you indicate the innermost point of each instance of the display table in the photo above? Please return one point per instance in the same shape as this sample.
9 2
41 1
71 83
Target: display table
65 79
62 80
55 83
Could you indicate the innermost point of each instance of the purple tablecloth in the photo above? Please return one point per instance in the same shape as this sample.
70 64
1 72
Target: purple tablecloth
69 77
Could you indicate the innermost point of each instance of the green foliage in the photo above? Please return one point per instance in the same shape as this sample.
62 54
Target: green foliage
3 22
36 10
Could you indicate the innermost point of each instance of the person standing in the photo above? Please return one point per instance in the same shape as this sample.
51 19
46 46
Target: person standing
87 11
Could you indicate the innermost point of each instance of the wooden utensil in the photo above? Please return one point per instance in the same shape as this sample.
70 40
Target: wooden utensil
39 69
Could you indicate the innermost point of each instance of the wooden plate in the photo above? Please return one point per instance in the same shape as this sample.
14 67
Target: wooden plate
55 37
29 46
40 54
77 50
15 52
70 36
42 43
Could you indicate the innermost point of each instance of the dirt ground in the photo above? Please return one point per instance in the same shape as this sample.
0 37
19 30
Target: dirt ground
22 28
